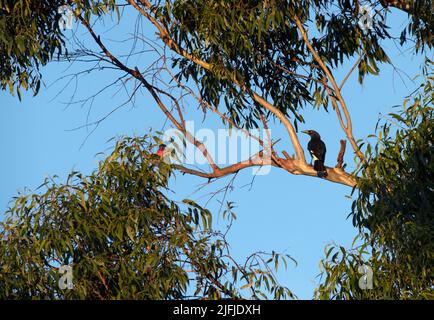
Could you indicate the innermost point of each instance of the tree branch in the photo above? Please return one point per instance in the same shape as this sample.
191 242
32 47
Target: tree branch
351 71
348 128
164 35
340 163
295 165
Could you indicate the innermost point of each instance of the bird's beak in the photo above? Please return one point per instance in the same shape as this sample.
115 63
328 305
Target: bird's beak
305 131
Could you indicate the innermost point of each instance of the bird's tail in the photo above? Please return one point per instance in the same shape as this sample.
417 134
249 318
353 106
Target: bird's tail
319 167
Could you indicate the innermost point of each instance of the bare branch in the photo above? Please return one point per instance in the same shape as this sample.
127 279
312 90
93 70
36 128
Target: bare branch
340 163
211 107
348 128
292 72
351 70
164 35
296 165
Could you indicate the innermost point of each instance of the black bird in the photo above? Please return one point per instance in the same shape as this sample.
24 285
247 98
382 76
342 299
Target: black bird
317 149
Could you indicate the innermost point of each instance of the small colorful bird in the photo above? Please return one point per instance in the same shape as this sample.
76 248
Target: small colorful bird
317 150
160 151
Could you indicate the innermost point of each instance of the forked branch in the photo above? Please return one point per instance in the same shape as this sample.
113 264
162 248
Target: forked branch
336 95
296 165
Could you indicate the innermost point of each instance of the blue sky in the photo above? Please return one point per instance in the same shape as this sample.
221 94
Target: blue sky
293 214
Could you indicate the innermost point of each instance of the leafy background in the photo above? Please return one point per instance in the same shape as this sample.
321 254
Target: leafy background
278 213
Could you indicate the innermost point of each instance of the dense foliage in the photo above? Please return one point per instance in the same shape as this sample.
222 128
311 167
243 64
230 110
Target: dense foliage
258 43
394 210
31 36
124 239
124 236
255 42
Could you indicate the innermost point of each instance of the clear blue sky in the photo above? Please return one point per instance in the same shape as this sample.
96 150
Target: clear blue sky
278 213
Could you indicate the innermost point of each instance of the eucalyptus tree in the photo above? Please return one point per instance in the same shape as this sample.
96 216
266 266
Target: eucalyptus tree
248 63
393 211
123 238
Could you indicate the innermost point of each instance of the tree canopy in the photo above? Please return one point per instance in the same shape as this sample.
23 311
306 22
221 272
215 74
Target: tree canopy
393 210
125 239
248 63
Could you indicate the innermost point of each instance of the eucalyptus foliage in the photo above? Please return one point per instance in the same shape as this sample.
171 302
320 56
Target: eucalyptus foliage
243 40
394 210
258 45
124 236
31 36
124 239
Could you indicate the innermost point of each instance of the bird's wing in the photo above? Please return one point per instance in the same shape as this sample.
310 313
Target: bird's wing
321 151
314 157
317 150
310 148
